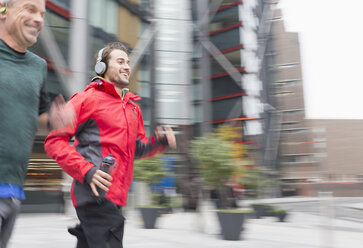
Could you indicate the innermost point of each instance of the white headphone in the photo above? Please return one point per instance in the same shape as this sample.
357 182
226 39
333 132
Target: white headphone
100 67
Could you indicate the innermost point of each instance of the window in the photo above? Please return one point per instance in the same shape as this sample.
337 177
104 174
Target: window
320 155
319 130
319 145
197 50
222 109
109 19
198 113
286 83
144 90
290 123
224 19
223 86
286 66
293 111
145 5
233 57
296 159
277 18
285 93
227 39
295 130
197 92
63 3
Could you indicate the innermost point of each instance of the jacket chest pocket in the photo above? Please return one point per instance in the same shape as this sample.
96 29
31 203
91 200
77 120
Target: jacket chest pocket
135 120
132 119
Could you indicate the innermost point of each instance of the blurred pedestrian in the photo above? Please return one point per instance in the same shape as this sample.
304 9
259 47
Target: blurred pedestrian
108 125
23 100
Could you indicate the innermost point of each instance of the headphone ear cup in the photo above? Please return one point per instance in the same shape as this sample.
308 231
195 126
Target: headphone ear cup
100 68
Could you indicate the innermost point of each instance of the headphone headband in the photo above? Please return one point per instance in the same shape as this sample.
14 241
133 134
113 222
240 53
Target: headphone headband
100 67
99 56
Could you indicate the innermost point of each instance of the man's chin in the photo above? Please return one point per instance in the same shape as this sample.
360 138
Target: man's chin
31 41
122 83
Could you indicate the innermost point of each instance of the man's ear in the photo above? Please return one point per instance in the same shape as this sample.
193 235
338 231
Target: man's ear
3 8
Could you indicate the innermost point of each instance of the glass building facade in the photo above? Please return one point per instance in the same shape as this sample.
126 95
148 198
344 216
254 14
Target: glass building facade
234 86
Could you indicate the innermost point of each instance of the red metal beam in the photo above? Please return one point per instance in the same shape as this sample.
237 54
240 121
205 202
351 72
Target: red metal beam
50 65
233 119
58 9
223 74
227 6
228 96
236 25
233 49
228 50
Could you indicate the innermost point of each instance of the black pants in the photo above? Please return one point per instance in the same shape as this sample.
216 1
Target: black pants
101 226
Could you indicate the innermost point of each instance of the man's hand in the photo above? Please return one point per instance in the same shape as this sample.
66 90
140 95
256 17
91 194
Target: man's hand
101 180
168 134
60 114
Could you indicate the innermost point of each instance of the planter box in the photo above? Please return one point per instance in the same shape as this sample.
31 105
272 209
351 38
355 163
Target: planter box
281 216
259 210
43 201
149 215
231 224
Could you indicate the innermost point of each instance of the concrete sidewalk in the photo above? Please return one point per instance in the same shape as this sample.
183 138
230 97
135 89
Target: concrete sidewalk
188 230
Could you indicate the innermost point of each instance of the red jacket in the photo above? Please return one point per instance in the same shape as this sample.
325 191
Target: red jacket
104 124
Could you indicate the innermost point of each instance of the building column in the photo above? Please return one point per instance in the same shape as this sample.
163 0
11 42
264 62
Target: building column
78 46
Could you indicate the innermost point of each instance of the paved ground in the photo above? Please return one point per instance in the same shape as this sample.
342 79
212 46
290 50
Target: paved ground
189 230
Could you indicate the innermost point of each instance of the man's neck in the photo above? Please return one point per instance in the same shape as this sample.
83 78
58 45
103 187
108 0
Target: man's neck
118 90
12 43
118 87
121 91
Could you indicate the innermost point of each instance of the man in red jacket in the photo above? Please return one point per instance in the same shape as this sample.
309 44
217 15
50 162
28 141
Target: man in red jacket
107 123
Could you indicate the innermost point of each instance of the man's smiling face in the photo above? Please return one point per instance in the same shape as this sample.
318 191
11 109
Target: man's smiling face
118 68
23 22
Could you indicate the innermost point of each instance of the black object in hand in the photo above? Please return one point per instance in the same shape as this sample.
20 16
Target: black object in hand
106 166
107 163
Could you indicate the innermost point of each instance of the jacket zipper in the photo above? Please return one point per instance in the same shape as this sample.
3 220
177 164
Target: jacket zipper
133 111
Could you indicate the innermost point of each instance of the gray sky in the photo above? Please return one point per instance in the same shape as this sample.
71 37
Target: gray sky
331 38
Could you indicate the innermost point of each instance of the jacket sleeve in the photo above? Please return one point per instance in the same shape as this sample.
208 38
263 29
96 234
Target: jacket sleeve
57 143
146 147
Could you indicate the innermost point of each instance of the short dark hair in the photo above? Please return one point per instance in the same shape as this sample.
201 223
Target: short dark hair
109 48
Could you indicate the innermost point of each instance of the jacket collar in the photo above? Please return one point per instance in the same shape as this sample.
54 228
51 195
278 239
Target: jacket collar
100 83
